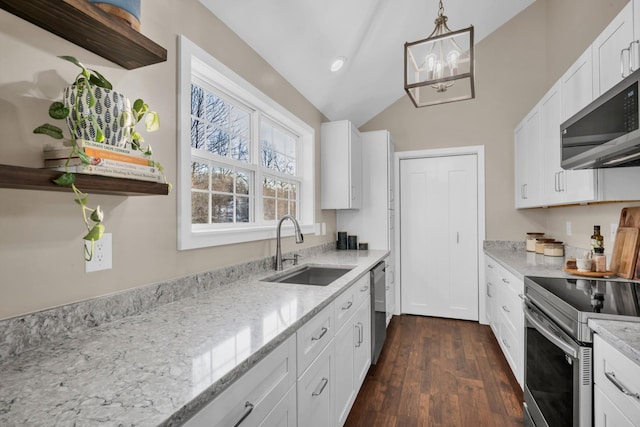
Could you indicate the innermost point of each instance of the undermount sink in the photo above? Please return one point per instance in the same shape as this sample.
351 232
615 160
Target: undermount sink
310 275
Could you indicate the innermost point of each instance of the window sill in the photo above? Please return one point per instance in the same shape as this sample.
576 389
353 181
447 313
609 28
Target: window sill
204 238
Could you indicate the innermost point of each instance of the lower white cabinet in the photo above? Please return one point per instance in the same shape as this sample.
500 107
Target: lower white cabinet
617 386
504 296
316 390
253 398
285 412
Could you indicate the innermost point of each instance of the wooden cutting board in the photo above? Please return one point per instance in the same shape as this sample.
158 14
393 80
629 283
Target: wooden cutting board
630 217
625 251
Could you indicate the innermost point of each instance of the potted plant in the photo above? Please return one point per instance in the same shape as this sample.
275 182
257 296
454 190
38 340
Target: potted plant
93 111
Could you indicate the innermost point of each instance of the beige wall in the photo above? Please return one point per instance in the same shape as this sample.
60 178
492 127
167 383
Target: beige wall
40 232
515 66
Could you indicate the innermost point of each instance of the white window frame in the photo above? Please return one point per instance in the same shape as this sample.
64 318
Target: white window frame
193 59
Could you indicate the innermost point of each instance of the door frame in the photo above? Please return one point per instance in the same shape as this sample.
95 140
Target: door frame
477 150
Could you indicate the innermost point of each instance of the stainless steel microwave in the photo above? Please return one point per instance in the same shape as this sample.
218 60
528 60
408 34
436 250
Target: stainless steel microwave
604 134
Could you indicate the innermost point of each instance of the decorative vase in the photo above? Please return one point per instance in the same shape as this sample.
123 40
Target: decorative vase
112 113
125 10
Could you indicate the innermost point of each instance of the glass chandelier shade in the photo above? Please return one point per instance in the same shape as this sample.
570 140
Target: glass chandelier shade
439 69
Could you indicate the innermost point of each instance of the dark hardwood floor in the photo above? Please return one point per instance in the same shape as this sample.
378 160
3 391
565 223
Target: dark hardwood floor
438 372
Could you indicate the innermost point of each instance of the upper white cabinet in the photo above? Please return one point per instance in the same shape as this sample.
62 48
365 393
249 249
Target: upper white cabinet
539 178
612 56
527 157
341 163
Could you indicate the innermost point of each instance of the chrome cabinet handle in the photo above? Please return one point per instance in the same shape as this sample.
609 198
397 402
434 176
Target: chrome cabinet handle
319 337
560 186
506 343
357 326
622 60
521 297
632 59
611 376
506 281
361 333
364 289
505 308
318 391
347 306
489 265
555 184
248 408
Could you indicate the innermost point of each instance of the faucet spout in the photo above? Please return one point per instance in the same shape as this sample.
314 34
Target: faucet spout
299 238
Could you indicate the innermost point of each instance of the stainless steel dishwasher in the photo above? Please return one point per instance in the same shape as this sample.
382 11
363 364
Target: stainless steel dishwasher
378 310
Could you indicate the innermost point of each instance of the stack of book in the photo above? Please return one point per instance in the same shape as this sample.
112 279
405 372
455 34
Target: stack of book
107 160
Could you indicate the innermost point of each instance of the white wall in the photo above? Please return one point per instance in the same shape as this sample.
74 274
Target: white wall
41 262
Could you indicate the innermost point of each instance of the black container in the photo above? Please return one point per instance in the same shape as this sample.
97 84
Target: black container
342 240
353 243
363 246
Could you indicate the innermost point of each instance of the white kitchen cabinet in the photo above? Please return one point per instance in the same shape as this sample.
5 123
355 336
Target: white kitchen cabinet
617 386
505 314
316 390
352 347
577 85
341 166
256 394
314 336
606 50
285 412
374 222
528 179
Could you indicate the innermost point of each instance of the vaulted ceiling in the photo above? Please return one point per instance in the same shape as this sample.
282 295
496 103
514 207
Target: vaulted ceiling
301 38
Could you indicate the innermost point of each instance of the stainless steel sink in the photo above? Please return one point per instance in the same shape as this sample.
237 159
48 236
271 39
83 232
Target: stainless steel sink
310 275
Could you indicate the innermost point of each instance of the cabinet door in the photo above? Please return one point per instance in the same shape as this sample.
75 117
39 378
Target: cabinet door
362 343
577 85
528 161
550 116
284 414
606 413
341 166
606 49
345 386
355 175
315 391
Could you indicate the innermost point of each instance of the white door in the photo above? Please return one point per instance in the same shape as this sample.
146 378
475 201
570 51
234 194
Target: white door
439 236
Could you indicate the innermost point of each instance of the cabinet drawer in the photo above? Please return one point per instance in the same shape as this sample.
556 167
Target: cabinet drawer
255 394
316 391
513 349
313 336
362 289
510 305
506 278
611 367
606 413
345 306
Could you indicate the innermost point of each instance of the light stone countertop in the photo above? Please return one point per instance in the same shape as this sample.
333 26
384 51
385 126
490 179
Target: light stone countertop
160 367
624 336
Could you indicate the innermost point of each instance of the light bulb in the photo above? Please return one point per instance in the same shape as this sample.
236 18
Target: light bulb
452 60
430 63
438 70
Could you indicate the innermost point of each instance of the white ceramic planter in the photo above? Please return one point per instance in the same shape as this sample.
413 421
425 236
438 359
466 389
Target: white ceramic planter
112 112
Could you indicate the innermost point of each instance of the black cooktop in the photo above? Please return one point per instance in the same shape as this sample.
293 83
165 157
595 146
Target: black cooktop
595 296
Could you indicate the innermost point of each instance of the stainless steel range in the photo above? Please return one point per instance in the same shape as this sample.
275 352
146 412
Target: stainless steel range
558 344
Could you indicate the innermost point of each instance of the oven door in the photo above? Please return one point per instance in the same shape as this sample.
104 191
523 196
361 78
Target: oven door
558 382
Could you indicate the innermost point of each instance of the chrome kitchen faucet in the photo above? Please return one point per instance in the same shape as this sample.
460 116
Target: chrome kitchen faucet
299 239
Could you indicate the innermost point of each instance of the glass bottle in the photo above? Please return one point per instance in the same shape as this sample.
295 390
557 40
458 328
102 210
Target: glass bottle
597 241
600 260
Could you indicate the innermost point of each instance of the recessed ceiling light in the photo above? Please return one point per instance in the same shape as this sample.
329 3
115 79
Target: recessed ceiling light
338 63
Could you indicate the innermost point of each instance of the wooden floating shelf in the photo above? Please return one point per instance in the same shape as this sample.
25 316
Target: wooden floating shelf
85 25
41 179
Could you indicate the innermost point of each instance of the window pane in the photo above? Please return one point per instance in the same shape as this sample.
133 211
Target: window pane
199 208
222 180
293 194
283 209
240 149
283 190
199 176
217 110
239 122
269 207
242 183
242 209
197 134
292 209
197 101
221 209
217 141
269 187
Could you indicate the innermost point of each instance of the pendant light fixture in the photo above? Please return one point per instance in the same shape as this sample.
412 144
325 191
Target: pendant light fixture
439 69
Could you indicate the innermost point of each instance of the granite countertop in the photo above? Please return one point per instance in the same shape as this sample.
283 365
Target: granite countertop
625 336
160 367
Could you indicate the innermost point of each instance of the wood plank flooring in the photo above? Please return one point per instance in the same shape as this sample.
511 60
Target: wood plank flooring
438 372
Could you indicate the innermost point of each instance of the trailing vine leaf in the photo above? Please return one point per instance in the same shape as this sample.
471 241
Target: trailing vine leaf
82 201
58 111
99 80
97 215
95 233
66 179
50 130
152 121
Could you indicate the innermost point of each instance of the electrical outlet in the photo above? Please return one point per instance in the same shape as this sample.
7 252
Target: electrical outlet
614 229
102 254
568 232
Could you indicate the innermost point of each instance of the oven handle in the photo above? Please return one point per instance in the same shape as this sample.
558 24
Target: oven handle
556 340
